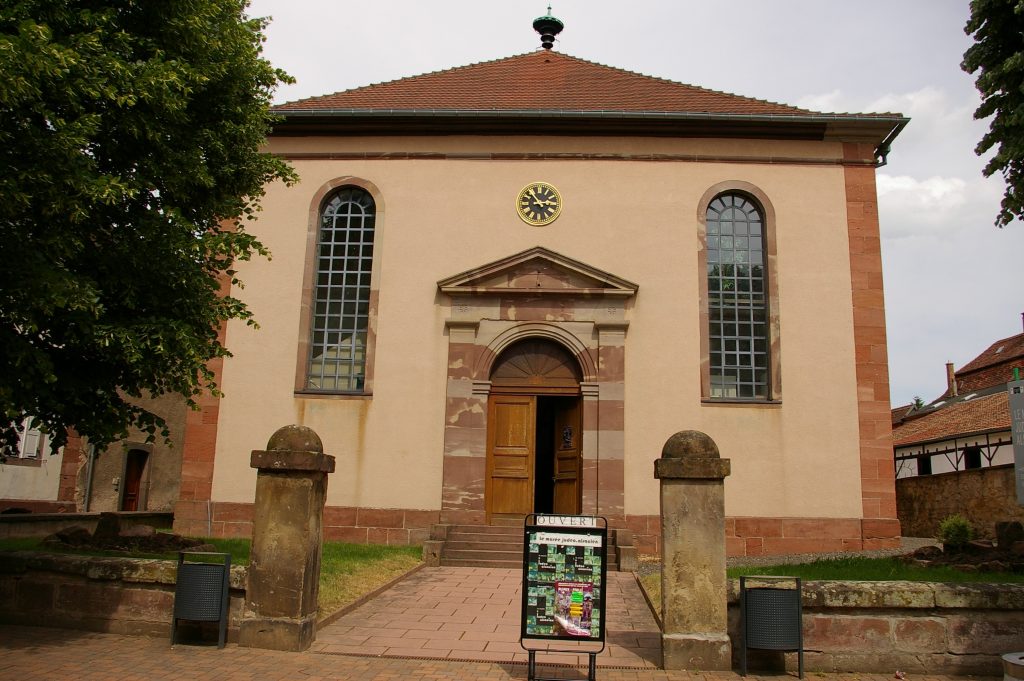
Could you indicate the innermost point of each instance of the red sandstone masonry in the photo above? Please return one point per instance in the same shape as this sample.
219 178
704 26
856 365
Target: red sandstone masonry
74 456
878 488
779 536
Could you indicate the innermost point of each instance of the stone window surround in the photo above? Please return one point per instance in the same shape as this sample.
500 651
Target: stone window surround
484 321
774 342
316 206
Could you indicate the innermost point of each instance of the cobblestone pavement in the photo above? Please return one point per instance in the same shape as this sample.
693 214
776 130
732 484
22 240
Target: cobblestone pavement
60 654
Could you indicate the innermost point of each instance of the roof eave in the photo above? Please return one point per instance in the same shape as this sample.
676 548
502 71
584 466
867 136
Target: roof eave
951 436
878 129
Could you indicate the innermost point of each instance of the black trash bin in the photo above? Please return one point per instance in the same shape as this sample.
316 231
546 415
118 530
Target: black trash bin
772 618
201 592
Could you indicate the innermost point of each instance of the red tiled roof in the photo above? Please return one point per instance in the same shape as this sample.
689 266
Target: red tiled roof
899 412
992 367
542 81
1001 351
979 415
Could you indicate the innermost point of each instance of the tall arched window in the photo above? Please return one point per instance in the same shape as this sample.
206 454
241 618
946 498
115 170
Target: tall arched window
341 295
738 321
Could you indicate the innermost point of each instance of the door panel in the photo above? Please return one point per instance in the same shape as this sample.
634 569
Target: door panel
568 457
510 454
135 466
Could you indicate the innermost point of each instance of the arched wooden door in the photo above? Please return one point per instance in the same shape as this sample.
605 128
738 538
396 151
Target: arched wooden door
534 438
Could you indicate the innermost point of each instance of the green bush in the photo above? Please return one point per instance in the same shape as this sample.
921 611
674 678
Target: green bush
955 531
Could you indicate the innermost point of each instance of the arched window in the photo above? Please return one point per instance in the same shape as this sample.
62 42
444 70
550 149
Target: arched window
738 319
341 294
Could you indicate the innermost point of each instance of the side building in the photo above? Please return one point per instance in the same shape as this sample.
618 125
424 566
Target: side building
955 454
129 475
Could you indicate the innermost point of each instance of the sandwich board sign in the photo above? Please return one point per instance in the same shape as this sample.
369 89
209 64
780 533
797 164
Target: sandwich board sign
564 583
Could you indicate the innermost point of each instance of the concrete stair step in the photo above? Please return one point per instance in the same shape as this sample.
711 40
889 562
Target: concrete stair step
490 546
478 545
460 562
491 530
458 554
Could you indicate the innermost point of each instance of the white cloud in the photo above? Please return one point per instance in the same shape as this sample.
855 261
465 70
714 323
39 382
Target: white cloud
934 206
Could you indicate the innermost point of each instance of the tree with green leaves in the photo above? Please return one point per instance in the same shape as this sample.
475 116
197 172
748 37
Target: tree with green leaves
130 134
997 56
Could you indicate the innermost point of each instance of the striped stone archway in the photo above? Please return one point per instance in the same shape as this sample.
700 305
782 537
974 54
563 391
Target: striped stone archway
544 295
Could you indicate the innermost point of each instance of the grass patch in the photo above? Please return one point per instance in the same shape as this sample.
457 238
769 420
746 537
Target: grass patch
851 569
347 571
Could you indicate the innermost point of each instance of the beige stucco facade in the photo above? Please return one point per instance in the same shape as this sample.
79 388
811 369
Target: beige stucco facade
632 209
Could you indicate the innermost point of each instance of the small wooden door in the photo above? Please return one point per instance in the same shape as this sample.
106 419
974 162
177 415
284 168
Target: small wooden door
134 468
568 457
511 434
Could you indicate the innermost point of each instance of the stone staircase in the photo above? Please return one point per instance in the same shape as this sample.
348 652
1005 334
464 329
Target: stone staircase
501 546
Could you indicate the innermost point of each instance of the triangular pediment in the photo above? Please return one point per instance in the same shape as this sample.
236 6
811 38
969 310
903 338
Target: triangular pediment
537 271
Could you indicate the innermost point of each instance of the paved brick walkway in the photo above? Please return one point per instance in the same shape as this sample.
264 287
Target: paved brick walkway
474 614
64 655
441 623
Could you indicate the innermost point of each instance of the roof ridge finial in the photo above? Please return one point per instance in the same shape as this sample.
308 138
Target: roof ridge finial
548 27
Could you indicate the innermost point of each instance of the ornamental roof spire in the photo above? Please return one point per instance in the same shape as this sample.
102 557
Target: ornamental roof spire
548 27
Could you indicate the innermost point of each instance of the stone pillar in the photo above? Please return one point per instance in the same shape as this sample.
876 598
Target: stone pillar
693 583
287 539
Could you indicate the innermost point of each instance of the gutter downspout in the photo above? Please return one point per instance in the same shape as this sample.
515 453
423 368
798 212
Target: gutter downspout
882 152
88 476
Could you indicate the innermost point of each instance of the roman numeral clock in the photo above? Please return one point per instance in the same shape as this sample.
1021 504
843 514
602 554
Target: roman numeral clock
539 203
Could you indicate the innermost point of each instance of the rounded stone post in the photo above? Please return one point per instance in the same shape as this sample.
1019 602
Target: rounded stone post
693 583
287 534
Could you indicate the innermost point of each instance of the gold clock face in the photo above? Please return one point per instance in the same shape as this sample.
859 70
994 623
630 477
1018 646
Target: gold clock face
538 203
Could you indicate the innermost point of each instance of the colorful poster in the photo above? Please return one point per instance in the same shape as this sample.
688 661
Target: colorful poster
574 607
563 582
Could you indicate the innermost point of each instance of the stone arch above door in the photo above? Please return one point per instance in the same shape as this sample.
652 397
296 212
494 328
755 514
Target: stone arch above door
536 362
520 332
545 296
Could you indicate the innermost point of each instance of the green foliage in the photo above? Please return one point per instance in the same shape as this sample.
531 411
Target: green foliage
997 56
129 143
918 403
955 531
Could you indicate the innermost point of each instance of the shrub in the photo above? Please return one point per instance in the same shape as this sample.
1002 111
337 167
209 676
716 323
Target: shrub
955 531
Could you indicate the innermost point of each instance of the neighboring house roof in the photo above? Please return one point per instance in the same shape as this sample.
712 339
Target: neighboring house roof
981 414
551 85
992 367
900 413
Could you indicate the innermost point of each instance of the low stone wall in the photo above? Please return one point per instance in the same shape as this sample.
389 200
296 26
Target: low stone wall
19 525
114 595
884 627
35 506
982 495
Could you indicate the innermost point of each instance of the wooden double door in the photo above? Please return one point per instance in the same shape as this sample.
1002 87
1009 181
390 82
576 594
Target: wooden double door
534 455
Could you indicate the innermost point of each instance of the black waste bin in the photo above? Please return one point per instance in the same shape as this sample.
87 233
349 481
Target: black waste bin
201 592
772 618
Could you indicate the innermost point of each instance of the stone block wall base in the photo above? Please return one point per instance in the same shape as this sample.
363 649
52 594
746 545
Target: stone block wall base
628 560
293 635
696 652
432 552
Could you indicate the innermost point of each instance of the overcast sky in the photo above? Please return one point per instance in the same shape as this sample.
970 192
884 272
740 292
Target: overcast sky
952 280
